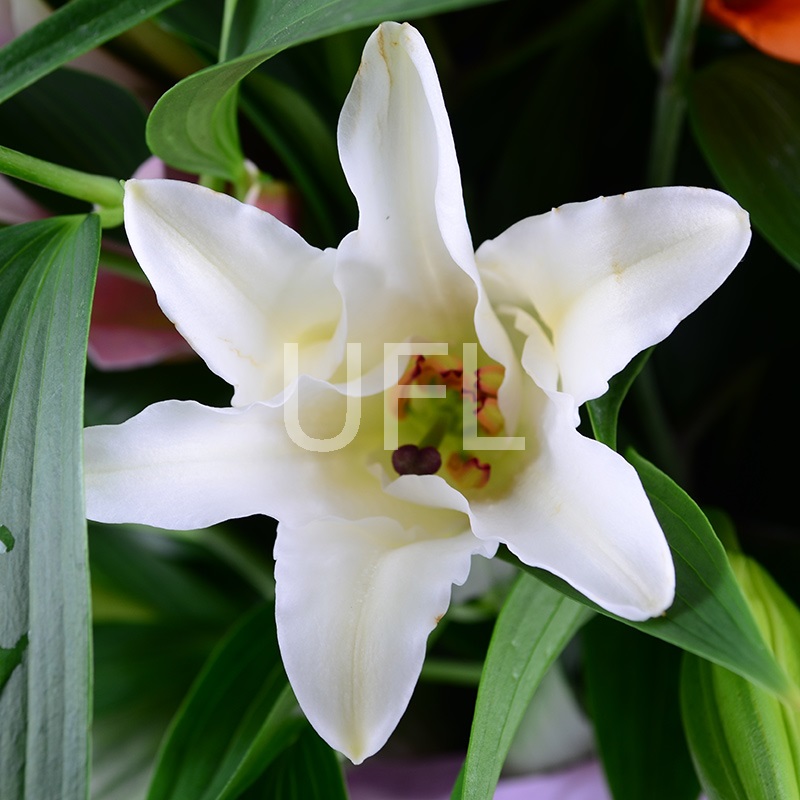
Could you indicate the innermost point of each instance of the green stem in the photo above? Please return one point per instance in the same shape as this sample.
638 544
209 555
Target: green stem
212 182
657 428
225 34
670 110
458 673
433 438
101 191
671 98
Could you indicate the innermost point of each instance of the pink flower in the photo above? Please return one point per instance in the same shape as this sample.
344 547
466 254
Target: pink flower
128 329
433 779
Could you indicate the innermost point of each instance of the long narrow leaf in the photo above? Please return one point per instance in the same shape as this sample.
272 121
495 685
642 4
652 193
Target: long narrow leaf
47 274
308 770
239 715
534 626
76 28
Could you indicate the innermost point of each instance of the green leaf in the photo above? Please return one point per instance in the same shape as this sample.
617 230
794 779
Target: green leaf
76 28
745 743
710 616
736 764
307 770
193 125
604 411
239 715
745 112
534 626
6 539
47 272
632 685
10 659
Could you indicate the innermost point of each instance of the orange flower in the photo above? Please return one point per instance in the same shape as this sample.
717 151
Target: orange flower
772 26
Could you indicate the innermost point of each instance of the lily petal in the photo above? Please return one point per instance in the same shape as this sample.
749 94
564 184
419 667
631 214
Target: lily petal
183 465
578 510
355 604
404 268
612 276
236 282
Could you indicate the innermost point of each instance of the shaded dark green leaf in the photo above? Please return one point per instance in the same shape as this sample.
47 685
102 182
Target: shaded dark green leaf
239 715
198 22
6 539
10 659
47 272
745 112
632 685
307 770
542 157
160 605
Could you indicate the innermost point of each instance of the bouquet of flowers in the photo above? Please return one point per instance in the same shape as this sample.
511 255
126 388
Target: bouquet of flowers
348 325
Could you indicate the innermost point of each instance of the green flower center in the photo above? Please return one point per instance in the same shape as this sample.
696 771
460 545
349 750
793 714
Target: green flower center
431 429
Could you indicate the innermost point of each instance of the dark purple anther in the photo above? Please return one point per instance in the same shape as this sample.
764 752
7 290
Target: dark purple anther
412 460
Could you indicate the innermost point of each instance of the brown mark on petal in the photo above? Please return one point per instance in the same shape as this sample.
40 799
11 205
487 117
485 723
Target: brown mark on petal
239 353
381 42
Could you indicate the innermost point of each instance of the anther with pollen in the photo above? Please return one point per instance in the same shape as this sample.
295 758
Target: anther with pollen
412 460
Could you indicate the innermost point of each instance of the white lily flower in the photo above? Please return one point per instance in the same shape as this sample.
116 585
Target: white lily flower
370 540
